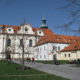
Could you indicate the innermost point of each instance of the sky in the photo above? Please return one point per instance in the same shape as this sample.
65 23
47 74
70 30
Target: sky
14 12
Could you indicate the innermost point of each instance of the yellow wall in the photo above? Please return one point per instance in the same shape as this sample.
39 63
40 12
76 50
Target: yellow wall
73 55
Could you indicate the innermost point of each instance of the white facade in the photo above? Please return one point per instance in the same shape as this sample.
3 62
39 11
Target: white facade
46 51
26 38
26 29
40 33
70 55
10 41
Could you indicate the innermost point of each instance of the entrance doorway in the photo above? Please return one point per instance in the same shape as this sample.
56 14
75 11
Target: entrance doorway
8 56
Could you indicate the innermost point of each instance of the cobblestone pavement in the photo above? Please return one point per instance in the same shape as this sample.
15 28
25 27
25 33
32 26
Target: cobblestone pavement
65 71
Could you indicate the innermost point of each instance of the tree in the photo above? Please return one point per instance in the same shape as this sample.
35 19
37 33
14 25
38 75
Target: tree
73 7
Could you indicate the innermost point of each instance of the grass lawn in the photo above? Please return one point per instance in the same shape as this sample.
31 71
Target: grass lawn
51 62
9 72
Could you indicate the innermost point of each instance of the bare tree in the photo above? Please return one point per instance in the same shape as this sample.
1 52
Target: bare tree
23 53
73 8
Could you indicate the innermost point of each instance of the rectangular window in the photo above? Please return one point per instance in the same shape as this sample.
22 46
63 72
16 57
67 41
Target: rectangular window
65 55
54 48
21 42
9 42
30 43
58 48
69 55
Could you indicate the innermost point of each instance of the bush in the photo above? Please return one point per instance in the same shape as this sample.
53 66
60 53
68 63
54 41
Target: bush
75 61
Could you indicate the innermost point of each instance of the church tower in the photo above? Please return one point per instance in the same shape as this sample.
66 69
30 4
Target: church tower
43 25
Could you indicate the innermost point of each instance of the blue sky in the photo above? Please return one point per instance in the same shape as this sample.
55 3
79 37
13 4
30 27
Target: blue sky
13 12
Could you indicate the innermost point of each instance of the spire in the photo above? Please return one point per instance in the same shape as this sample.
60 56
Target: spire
43 25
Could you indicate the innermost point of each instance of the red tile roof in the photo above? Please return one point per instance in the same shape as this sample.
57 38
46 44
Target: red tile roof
16 28
47 32
72 47
35 29
57 39
49 36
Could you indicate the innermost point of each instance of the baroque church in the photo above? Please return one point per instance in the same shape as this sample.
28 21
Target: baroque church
40 43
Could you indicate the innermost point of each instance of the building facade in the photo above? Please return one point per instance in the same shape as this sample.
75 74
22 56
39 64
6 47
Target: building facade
71 52
40 43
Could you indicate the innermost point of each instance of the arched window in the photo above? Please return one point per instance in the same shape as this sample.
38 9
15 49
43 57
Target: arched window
65 55
30 43
21 42
9 42
26 29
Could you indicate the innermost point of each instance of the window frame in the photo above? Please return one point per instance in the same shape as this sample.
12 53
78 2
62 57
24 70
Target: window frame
26 29
30 43
9 29
65 55
21 42
9 42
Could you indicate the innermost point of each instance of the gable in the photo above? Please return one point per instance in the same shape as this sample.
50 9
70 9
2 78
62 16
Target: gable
26 29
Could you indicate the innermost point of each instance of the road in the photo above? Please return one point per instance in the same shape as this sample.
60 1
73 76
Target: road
65 71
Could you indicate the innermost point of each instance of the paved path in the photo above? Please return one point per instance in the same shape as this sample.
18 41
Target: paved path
59 70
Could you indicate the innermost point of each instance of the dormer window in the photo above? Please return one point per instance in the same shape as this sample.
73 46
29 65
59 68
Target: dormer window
26 29
40 32
9 29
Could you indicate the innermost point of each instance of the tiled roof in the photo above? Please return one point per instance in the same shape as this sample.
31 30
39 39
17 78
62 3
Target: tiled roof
57 39
49 36
72 47
16 28
35 29
47 32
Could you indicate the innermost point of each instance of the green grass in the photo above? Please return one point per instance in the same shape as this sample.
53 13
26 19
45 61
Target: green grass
64 61
10 69
52 62
46 62
7 72
46 77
